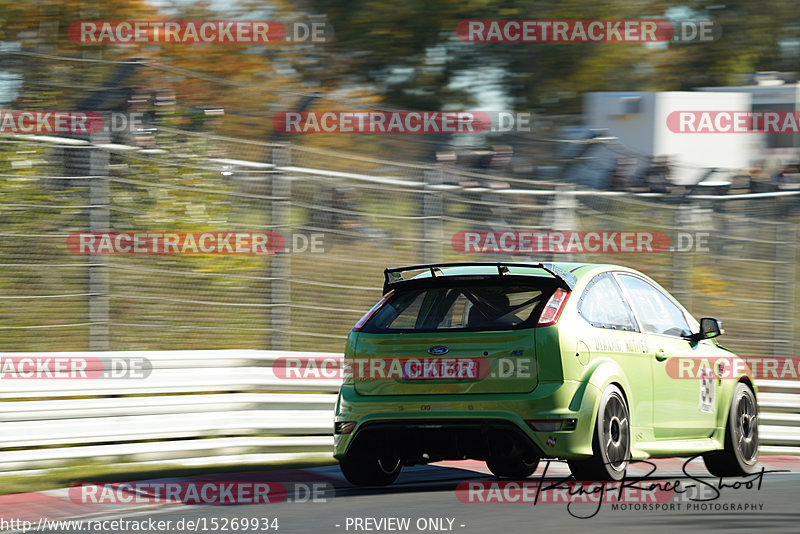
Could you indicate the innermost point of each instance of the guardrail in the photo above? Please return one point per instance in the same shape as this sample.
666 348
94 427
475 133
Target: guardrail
217 407
195 407
779 417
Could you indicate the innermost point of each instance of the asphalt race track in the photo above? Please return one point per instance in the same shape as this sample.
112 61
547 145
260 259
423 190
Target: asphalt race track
426 497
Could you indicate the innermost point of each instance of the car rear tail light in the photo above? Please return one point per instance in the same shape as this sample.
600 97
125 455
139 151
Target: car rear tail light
361 322
553 308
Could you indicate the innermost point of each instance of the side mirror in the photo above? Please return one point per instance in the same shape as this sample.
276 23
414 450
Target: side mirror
709 327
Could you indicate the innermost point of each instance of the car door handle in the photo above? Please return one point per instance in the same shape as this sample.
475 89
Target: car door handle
661 355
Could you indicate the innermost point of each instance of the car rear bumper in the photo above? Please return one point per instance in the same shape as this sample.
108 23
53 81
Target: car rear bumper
429 428
430 440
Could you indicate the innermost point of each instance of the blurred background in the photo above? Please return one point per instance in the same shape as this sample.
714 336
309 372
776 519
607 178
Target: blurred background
206 157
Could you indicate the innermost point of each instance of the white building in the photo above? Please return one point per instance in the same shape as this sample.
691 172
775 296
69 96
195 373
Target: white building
639 121
771 94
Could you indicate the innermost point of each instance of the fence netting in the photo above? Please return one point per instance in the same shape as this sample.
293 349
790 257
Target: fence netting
344 218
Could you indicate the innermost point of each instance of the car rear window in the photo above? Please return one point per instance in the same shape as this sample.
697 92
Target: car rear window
459 308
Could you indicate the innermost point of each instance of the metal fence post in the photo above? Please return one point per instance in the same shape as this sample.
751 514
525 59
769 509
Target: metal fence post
565 207
432 210
280 263
793 290
784 292
99 199
681 261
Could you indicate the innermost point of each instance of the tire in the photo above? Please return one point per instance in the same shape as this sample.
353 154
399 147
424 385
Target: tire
516 468
370 470
611 443
740 455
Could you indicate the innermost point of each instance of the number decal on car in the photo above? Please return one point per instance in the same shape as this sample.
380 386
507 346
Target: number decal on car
706 390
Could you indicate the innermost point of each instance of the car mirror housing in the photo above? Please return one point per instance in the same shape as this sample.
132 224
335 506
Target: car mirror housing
709 328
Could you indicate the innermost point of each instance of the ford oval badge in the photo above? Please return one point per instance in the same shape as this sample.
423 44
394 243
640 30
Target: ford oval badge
438 350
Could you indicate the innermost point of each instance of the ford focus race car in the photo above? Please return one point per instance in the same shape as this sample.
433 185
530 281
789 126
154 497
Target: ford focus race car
510 363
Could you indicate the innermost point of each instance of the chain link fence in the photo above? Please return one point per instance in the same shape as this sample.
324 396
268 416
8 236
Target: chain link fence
370 214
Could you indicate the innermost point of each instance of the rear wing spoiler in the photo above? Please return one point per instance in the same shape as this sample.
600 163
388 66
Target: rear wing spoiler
394 275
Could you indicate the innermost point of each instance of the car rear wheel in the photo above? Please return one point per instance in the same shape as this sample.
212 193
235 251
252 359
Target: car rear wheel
515 468
370 470
741 437
611 443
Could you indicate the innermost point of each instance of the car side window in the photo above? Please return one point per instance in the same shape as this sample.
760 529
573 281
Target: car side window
603 305
656 312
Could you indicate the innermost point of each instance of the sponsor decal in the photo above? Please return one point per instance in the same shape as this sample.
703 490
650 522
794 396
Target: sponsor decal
706 390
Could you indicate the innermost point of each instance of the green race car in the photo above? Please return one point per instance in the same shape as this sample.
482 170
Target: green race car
509 363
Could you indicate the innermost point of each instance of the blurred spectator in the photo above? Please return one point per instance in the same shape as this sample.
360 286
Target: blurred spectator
620 177
788 178
760 181
740 183
657 177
